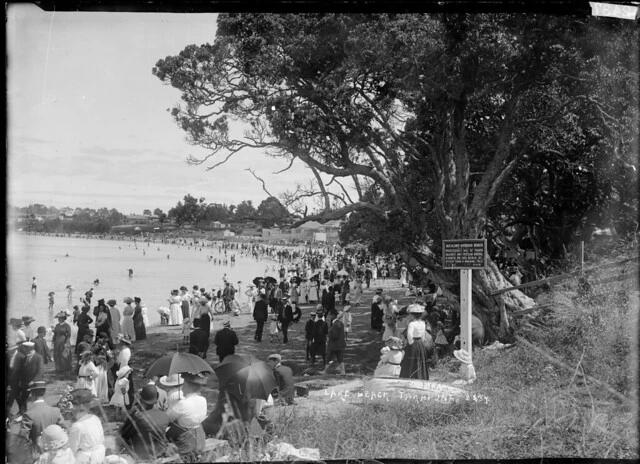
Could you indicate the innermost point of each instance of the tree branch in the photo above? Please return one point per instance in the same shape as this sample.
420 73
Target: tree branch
264 185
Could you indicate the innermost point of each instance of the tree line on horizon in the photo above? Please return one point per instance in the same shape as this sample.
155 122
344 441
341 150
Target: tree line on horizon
189 211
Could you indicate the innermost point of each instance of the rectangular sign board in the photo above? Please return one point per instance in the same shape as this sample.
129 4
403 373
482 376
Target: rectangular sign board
464 254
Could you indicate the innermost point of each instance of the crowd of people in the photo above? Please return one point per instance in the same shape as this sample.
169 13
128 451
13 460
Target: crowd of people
169 413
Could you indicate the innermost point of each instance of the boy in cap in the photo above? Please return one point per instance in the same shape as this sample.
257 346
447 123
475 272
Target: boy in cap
144 430
41 344
39 415
284 379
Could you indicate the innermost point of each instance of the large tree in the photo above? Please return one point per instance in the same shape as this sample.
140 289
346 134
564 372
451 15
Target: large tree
433 112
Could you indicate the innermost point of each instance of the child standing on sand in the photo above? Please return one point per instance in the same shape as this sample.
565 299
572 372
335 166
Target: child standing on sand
274 328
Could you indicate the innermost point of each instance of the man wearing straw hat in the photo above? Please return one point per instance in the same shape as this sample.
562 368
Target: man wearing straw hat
39 415
31 369
144 431
29 333
225 340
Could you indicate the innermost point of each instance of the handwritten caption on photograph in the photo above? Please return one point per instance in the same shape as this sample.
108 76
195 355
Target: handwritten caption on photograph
441 397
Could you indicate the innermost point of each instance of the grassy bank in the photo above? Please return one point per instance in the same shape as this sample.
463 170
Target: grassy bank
535 409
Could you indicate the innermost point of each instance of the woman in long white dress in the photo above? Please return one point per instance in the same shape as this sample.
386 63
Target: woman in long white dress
127 320
313 292
175 308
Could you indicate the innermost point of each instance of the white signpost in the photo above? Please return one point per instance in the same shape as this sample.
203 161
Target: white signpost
465 255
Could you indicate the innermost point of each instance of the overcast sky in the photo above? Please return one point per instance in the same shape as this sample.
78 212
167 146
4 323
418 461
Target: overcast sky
87 120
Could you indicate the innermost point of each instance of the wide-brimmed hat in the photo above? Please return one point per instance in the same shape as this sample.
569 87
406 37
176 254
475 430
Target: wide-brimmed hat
123 371
51 293
415 309
124 339
61 314
394 343
37 385
54 437
128 300
462 356
275 357
81 396
28 344
27 319
149 394
196 379
101 300
172 380
319 307
111 302
88 332
226 324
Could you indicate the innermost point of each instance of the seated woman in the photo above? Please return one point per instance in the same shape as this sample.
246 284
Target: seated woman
186 416
392 354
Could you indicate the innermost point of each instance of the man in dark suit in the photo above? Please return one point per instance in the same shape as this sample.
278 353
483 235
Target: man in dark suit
39 415
225 341
13 369
320 331
144 430
284 379
198 340
286 318
32 370
308 333
260 315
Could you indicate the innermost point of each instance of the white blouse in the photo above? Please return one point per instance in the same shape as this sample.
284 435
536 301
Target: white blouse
416 329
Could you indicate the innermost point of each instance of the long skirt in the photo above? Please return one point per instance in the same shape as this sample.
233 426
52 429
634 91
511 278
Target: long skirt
414 363
63 357
127 328
102 384
140 330
188 441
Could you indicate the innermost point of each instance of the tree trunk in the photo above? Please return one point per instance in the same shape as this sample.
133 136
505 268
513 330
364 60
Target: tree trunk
493 311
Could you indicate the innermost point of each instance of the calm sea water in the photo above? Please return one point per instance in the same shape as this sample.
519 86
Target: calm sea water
108 260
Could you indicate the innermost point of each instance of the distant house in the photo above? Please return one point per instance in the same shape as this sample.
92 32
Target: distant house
220 234
252 232
140 219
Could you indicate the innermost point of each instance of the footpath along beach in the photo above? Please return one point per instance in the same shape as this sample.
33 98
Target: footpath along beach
361 356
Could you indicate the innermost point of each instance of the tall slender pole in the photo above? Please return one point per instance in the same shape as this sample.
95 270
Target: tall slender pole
581 255
465 310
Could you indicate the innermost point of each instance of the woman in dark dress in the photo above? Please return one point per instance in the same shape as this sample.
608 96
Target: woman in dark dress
84 324
62 353
138 321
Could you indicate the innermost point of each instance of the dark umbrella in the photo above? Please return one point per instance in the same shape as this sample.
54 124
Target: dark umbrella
245 376
296 280
270 279
257 281
178 363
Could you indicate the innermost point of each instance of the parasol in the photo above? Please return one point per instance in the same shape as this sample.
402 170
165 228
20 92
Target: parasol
257 281
342 272
270 279
296 280
178 363
245 376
